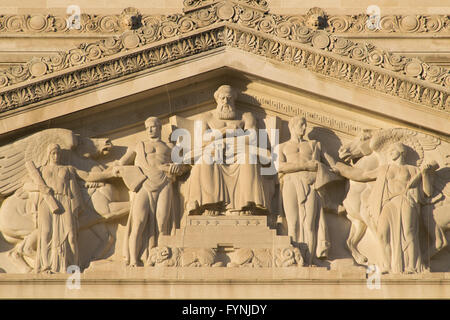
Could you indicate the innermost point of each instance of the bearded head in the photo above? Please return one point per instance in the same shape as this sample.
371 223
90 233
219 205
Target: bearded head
225 97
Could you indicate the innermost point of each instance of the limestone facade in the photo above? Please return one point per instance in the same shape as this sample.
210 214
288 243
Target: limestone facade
213 147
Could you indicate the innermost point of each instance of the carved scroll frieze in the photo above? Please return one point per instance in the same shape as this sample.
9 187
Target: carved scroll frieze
304 56
390 24
367 74
279 37
104 71
110 24
157 28
255 4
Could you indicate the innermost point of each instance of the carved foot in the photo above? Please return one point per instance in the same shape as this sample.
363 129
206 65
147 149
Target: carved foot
410 271
218 264
360 259
135 264
193 207
46 270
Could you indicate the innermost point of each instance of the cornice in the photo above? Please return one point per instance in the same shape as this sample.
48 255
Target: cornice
225 24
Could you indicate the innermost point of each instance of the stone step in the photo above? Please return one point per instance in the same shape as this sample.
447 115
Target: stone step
225 231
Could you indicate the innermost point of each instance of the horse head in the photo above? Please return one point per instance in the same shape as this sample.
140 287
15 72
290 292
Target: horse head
357 148
93 147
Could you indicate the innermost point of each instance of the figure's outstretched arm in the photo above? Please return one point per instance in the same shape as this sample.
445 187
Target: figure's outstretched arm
96 176
355 174
428 177
127 158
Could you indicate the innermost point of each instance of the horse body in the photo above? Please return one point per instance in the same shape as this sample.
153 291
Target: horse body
435 215
356 206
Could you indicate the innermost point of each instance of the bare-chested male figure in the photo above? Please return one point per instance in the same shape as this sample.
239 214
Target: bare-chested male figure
152 194
299 163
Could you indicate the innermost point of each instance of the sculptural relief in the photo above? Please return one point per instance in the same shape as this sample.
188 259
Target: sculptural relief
394 205
24 166
303 173
58 208
216 185
230 149
150 183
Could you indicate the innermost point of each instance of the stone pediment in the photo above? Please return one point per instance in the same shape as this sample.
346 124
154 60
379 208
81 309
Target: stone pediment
216 27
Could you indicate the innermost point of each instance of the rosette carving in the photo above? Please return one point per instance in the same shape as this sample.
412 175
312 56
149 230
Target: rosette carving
302 34
60 24
56 62
358 51
283 29
169 29
186 24
302 48
287 257
37 68
15 23
436 23
339 23
38 22
376 57
109 24
94 52
248 12
394 62
75 57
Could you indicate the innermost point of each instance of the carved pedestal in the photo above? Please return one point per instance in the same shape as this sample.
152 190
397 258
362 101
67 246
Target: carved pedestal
231 241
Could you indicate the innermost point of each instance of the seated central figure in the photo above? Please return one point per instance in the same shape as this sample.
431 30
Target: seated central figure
218 186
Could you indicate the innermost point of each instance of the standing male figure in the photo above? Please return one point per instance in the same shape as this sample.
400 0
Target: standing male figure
301 174
150 181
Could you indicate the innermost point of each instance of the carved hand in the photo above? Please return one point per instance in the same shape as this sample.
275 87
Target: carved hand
116 172
335 170
231 130
312 165
431 166
174 169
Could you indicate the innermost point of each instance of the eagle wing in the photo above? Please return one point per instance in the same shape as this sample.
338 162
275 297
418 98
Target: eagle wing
13 156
